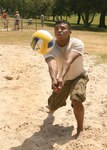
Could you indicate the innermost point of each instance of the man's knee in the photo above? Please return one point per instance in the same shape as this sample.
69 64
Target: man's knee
76 104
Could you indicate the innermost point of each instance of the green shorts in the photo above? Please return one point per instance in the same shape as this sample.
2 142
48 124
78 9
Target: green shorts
76 89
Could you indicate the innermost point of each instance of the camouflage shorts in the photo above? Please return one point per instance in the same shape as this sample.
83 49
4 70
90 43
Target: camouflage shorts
76 89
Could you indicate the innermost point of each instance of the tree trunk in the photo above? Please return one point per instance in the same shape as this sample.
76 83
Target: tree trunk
53 18
85 18
102 19
79 18
66 18
1 9
61 17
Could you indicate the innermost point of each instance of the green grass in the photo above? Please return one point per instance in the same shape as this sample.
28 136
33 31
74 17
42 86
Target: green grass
73 20
102 58
50 23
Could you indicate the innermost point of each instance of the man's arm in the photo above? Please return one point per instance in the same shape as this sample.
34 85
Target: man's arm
66 66
53 71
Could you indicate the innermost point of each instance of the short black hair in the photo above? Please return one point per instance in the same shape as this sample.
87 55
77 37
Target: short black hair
63 21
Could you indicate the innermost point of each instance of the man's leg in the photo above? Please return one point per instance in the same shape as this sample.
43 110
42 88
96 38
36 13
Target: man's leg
57 100
78 109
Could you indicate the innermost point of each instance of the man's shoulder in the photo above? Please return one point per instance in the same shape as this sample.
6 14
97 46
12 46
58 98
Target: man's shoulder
76 41
76 45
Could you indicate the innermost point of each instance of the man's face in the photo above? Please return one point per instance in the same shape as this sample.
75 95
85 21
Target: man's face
61 31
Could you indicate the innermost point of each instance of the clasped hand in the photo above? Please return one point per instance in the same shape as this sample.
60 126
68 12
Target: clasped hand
57 85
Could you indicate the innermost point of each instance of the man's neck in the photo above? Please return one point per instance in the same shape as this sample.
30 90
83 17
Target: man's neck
63 42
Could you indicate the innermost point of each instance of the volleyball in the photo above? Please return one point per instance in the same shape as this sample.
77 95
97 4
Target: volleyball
42 41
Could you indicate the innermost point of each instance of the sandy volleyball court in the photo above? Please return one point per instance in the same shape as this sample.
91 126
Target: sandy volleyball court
24 89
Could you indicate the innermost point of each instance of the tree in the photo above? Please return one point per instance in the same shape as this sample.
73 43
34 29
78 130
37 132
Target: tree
37 7
85 9
102 9
61 8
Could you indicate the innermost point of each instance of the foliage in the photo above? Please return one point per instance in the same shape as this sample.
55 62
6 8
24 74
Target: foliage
85 9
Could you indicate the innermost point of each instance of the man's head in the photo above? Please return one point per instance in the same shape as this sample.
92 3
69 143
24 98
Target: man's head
58 22
62 30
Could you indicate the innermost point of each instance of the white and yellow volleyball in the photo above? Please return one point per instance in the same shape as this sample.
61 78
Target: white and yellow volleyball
42 41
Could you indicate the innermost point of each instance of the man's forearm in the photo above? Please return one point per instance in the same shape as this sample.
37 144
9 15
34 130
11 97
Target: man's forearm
52 68
53 72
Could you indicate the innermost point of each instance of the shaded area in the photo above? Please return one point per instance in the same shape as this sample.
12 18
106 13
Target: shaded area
81 27
47 136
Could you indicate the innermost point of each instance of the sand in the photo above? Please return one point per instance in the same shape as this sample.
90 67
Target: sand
24 88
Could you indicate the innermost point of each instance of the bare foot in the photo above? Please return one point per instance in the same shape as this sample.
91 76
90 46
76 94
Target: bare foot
78 134
79 130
